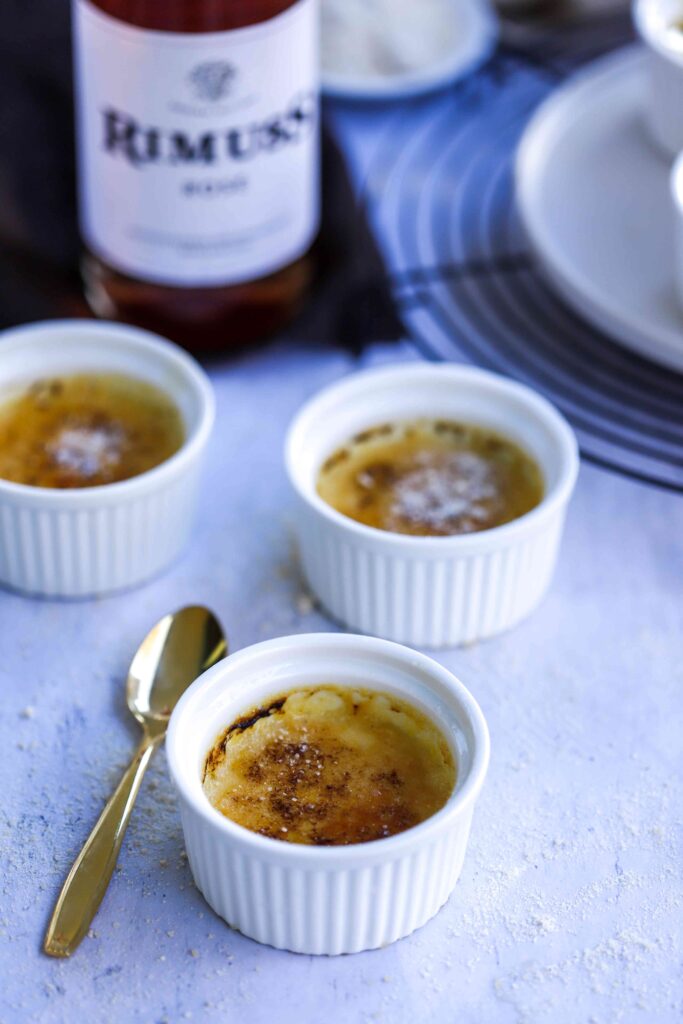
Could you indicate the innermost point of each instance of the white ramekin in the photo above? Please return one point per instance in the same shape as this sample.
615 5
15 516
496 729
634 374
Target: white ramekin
665 72
311 899
88 541
429 591
677 199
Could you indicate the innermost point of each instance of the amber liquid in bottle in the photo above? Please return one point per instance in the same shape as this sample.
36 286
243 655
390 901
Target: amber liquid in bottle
213 317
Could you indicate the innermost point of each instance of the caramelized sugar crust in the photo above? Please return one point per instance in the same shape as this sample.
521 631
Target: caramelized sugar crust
431 478
85 430
330 766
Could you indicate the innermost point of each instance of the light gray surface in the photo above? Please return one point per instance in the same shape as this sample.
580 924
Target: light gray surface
569 906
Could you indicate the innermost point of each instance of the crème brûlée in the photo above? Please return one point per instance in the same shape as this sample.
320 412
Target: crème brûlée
330 766
86 430
431 478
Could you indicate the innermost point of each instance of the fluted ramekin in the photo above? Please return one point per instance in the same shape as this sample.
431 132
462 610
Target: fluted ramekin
312 899
677 199
429 591
92 540
664 102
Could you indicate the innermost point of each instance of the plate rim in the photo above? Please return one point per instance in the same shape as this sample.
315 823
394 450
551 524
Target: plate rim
658 343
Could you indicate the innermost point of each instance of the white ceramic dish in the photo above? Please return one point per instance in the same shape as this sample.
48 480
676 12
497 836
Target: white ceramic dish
87 541
595 201
313 899
664 105
476 32
677 199
429 591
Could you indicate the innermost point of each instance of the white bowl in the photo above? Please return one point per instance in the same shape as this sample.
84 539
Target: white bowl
92 540
475 31
429 591
313 899
652 19
677 198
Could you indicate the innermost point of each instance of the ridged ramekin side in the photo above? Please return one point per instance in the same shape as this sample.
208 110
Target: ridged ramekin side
319 911
426 600
80 551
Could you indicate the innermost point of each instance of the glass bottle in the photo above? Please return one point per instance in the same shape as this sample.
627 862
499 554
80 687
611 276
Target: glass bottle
198 154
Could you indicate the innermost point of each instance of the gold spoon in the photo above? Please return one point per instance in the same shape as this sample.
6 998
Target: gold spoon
177 650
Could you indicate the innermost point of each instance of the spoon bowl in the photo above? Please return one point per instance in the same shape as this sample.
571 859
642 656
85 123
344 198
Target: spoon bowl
174 652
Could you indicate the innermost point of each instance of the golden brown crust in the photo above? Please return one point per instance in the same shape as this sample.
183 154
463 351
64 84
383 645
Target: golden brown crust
330 766
430 478
86 430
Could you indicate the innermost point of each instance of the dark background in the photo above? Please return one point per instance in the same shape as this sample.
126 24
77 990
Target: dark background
38 234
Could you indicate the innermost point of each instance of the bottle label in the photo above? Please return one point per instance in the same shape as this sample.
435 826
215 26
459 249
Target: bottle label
198 152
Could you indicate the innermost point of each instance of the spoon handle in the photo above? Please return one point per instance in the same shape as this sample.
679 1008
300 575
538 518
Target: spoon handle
88 879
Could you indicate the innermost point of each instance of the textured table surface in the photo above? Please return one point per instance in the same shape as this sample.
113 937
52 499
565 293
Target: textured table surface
569 906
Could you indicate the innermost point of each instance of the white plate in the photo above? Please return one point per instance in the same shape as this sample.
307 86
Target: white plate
594 198
476 31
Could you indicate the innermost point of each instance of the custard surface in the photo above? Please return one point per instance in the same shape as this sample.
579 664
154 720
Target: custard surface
330 766
431 478
85 430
